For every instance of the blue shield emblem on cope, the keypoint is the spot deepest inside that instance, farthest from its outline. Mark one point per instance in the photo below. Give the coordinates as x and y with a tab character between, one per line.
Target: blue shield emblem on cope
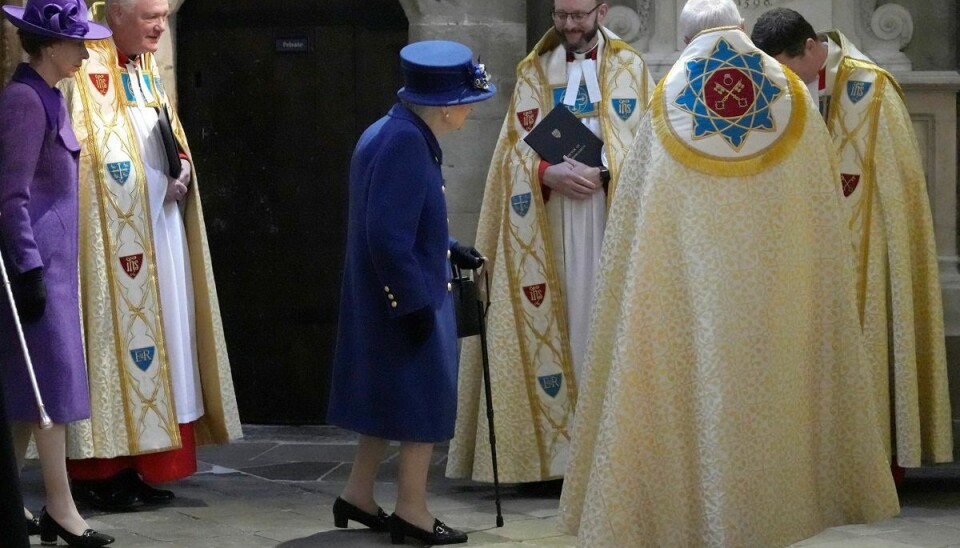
148	83
143	357
857	90
120	171
624	107
583	107
551	384
521	203
127	90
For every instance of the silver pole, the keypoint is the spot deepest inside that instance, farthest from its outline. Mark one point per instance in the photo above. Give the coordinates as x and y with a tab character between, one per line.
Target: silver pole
45	421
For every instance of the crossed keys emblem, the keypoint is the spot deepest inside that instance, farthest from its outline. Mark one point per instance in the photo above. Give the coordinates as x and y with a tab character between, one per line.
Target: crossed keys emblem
728	88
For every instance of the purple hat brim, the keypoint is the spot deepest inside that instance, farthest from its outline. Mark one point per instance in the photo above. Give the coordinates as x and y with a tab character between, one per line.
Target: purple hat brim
15	15
456	96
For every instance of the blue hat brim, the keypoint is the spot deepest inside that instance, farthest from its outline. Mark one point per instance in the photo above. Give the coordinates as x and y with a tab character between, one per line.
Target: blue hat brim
448	98
14	14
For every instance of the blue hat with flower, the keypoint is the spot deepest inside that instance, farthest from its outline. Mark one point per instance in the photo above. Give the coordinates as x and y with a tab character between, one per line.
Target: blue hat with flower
65	19
440	72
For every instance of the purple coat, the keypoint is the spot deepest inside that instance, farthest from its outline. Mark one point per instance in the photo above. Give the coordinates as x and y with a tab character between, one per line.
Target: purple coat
38	224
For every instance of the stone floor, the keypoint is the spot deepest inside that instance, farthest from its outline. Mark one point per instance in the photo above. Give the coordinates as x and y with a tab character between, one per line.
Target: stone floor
277	487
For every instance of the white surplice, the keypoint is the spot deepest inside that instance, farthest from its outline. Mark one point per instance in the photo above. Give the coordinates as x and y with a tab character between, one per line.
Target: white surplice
172	257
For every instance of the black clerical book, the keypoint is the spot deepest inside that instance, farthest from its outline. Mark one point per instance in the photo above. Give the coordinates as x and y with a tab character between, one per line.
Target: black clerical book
560	134
169	142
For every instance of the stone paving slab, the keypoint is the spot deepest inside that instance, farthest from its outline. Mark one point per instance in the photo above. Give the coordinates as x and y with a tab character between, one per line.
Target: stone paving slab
277	487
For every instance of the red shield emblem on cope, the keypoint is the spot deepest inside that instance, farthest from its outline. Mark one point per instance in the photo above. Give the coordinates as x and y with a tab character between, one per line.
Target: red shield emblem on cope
535	293
849	183
131	264
528	118
100	81
729	93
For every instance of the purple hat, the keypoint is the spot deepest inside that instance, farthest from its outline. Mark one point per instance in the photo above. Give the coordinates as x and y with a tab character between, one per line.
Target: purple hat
65	19
440	72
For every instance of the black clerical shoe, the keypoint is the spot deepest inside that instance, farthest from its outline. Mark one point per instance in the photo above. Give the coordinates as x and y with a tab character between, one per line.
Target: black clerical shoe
144	491
109	494
343	512
441	534
50	530
33	525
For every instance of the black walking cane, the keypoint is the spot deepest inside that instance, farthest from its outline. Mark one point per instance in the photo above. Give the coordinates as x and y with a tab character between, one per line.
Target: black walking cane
468	325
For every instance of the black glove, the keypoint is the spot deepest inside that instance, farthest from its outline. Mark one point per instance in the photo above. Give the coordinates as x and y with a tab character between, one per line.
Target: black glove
30	295
466	257
419	324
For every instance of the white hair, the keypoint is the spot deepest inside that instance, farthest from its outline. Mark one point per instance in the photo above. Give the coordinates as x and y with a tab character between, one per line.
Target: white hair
700	15
126	5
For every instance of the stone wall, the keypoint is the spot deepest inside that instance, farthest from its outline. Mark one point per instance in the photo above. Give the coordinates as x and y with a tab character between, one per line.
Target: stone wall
496	32
934	46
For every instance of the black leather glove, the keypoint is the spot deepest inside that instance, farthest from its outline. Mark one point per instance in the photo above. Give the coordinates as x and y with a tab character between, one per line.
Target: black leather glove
30	295
420	324
466	257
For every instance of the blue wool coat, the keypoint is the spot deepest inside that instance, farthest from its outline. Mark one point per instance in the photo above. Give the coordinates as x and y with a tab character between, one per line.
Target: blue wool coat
397	262
39	228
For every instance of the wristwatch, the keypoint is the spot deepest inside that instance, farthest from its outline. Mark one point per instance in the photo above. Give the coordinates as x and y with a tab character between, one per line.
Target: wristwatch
604	174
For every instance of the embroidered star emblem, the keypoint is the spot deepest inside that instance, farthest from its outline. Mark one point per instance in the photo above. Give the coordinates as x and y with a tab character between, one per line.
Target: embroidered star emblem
728	95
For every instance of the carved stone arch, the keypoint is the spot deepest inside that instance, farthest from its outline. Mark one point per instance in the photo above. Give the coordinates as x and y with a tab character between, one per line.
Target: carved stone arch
881	32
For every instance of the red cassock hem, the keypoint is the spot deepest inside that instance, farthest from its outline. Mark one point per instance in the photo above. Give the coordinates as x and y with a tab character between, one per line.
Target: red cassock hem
160	467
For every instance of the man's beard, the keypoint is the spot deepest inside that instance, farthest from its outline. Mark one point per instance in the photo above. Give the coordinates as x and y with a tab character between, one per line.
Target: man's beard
585	38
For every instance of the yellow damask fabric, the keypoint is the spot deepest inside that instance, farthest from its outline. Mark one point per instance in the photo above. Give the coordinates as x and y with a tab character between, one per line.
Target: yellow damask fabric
892	233
725	377
119	405
534	393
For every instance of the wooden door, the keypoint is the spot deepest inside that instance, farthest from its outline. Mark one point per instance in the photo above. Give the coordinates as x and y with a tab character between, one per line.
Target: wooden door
273	96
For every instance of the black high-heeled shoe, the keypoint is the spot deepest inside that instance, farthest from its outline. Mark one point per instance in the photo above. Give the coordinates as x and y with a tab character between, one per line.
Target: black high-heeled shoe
50	530
343	511
33	525
441	534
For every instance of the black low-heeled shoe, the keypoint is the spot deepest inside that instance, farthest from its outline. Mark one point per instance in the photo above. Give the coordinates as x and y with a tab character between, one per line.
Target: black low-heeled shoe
441	534
50	530
33	525
147	493
343	511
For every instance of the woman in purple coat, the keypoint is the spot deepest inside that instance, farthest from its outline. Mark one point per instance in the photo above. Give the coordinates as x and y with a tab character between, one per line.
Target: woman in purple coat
39	238
395	370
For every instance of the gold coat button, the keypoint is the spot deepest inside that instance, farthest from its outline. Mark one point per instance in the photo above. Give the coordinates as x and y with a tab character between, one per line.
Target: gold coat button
443	189
390	296
386	289
448	253
449	287
393	304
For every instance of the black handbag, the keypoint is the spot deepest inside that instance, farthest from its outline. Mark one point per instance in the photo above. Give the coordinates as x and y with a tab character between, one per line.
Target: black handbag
466	302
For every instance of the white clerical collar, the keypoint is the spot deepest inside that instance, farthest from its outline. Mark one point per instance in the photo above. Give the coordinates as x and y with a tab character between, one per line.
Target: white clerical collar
583	67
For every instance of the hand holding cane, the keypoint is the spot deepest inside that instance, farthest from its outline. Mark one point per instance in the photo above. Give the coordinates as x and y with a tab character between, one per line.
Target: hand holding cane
45	421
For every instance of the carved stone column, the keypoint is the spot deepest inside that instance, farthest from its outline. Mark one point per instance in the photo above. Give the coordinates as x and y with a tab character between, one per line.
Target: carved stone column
496	32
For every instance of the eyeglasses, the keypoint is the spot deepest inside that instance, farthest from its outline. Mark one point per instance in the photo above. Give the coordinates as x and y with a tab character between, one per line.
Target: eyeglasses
576	16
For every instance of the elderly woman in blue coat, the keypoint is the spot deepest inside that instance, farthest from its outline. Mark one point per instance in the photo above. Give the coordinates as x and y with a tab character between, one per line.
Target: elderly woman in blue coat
395	370
39	235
